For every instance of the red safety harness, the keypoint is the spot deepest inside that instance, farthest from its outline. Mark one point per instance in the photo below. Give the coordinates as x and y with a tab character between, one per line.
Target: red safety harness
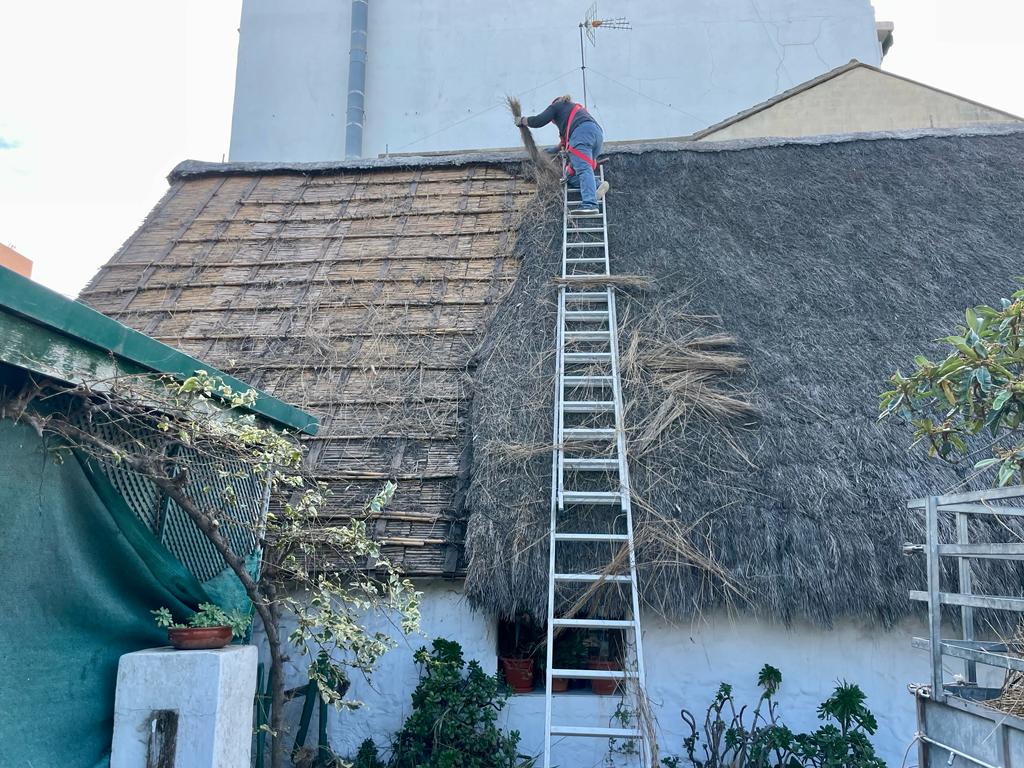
565	144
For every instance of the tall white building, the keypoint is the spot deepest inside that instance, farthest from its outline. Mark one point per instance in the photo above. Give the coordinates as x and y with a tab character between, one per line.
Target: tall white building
326	79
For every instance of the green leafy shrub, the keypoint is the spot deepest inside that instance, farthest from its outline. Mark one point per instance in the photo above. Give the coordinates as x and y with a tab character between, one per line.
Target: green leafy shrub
977	389
455	708
726	740
367	756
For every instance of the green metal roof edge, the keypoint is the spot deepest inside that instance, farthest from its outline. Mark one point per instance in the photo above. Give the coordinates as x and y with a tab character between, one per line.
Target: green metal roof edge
72	318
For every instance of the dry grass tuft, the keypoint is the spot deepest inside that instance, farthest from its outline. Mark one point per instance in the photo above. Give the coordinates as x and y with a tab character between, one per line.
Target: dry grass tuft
545	169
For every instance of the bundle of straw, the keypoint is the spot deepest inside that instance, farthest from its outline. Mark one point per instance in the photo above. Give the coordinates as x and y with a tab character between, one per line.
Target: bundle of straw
543	162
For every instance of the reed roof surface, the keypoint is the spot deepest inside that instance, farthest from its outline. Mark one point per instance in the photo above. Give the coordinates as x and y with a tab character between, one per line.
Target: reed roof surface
412	310
826	265
356	292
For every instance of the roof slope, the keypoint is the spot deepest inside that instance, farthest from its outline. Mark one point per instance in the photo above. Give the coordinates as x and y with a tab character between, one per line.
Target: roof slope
831	264
357	293
894	102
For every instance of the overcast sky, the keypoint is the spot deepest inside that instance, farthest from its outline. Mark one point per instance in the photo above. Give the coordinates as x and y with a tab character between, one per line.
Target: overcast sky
99	100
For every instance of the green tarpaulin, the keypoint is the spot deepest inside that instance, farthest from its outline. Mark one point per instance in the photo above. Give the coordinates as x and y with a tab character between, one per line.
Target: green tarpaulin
79	574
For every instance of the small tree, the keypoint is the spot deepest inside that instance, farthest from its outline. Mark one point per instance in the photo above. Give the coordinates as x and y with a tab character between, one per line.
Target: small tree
978	389
313	570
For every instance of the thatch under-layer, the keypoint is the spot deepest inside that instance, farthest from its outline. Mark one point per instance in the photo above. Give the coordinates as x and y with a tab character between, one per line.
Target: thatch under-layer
813	270
358	290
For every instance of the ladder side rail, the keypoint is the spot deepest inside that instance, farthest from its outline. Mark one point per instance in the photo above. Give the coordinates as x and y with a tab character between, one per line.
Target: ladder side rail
604	225
565	228
627	506
556	483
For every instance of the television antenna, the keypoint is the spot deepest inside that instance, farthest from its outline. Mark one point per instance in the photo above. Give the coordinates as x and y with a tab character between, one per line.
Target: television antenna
589	26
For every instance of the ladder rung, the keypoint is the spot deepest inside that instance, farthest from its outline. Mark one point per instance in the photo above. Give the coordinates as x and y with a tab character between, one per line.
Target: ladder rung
587	335
586	315
591	674
588	406
583	279
586	229
594	623
591	497
585	245
586	381
587	433
588	260
596	732
587	357
586	296
591	577
590	465
591	537
574	215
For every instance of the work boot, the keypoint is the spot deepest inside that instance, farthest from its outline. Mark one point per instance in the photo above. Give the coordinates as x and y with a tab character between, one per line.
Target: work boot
602	190
586	210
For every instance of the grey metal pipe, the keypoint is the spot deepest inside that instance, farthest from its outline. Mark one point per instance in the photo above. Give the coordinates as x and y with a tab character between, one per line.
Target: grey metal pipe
355	114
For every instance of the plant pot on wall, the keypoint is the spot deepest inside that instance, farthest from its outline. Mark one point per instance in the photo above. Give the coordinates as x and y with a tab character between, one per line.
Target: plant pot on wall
559	684
518	674
199	638
603	687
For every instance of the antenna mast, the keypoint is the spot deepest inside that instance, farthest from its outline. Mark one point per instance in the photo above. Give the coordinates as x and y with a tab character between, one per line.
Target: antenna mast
589	26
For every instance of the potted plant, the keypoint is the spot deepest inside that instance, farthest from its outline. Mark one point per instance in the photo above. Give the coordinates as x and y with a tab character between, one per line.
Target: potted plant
569	653
517	665
208	628
604	660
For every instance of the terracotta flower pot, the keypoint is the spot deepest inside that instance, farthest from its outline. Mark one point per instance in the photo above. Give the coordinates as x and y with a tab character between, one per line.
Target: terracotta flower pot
559	684
518	674
199	638
603	687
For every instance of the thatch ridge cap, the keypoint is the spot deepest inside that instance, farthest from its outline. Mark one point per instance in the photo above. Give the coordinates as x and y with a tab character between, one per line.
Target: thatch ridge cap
198	168
732	145
194	168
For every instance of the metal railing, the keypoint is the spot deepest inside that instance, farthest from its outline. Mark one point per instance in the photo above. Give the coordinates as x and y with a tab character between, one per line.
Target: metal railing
951	722
991	504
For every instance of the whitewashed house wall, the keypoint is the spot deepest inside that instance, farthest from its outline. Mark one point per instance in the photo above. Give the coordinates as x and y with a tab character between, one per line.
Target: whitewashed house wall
685	665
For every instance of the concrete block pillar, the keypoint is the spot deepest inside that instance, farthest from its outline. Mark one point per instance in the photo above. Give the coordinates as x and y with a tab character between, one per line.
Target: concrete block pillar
185	709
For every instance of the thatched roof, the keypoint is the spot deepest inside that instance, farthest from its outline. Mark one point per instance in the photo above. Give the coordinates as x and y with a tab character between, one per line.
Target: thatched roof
830	263
355	290
364	291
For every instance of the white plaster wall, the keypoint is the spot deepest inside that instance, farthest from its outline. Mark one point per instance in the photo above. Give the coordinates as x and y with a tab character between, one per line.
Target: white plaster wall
438	72
861	100
387	694
685	664
291	81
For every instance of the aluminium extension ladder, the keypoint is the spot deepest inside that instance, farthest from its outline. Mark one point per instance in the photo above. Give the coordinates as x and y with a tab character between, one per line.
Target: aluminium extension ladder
590	450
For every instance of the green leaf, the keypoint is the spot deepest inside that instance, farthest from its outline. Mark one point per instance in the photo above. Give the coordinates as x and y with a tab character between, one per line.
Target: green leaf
1001	398
984	379
972	320
986	463
1006	472
962	346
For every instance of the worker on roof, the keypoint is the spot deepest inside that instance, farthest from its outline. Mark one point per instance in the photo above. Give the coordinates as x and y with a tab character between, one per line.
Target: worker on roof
581	137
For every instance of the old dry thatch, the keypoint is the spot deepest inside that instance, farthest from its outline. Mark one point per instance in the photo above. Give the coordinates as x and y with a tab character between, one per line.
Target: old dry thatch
815	269
355	290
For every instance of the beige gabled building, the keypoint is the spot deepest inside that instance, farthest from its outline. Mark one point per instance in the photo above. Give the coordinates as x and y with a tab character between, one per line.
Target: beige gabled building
854	98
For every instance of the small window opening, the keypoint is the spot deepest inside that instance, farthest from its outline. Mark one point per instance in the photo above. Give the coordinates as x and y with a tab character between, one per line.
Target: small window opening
522	655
